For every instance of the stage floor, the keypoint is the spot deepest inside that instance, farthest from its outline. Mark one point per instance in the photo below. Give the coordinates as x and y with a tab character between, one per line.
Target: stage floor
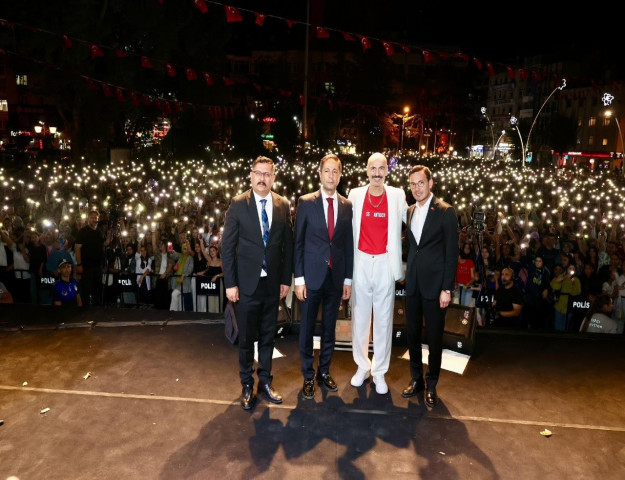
132	393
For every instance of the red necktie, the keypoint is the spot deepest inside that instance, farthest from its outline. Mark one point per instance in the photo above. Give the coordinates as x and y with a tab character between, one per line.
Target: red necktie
330	223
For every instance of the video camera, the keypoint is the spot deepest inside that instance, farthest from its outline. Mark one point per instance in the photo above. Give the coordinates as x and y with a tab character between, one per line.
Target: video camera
479	219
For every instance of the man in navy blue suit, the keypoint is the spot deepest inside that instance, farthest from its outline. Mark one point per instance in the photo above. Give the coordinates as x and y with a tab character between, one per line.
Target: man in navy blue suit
323	260
257	256
432	234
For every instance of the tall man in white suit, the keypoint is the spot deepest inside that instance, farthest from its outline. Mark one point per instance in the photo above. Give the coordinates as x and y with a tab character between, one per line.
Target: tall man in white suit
379	211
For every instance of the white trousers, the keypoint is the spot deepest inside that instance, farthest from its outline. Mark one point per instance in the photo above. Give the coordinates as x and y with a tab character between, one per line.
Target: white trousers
373	291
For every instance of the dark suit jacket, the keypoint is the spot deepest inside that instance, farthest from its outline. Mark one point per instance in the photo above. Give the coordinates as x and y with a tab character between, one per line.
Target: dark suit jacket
431	265
313	246
242	247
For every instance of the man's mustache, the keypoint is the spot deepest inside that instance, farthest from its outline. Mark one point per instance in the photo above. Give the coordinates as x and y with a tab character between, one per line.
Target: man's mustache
261	183
377	176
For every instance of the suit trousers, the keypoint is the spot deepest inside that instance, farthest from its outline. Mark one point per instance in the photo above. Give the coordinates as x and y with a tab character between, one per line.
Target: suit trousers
373	290
416	308
329	297
257	319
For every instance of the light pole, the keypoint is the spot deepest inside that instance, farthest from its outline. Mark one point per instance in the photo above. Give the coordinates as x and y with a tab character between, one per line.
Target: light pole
403	127
492	134
560	87
607	100
514	123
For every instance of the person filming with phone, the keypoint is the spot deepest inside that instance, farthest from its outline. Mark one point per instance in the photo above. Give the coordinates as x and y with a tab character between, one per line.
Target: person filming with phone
566	286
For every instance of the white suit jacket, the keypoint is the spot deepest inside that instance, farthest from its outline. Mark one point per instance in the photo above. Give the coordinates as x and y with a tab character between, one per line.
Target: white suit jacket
397	208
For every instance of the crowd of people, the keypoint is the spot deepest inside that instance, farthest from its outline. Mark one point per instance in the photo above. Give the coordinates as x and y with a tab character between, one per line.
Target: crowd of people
543	224
530	249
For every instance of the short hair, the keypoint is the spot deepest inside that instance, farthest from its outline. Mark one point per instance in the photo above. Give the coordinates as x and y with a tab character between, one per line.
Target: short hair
421	168
266	160
330	156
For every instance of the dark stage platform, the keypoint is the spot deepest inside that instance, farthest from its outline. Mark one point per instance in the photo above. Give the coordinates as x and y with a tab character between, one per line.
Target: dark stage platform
146	394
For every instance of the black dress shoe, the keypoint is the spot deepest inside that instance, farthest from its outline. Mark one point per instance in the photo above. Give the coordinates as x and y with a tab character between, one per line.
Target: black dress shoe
247	397
414	387
269	393
430	397
326	380
308	391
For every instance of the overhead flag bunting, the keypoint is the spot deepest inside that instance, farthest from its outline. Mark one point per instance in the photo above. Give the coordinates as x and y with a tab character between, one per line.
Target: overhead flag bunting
233	14
146	62
201	5
260	18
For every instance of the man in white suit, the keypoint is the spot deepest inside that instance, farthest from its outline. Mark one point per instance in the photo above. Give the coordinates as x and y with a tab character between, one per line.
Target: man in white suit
379	211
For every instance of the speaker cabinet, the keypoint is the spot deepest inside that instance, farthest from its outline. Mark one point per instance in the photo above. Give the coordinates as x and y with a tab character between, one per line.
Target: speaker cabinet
459	333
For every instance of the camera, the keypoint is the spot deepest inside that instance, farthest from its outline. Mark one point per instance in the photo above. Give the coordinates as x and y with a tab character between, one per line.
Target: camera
479	219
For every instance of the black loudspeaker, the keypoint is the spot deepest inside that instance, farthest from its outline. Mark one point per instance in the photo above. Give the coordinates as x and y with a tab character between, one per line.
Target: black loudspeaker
459	333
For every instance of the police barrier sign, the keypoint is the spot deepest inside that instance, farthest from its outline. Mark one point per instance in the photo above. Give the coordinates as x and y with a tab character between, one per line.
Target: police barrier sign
205	286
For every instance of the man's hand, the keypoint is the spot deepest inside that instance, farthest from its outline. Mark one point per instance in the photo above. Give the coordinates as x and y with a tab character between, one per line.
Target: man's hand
347	292
300	292
444	299
284	290
232	294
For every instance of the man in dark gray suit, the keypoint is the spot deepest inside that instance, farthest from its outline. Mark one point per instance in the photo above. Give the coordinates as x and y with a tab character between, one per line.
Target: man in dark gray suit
257	256
430	276
324	260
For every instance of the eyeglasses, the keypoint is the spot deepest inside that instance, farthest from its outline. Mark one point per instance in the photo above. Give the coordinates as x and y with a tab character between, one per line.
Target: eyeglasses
258	173
419	184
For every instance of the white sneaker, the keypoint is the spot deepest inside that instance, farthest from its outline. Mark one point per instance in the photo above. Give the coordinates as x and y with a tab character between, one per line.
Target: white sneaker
359	377
380	385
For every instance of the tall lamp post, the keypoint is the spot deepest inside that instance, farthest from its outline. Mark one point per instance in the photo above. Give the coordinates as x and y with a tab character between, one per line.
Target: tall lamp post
559	87
403	127
514	123
492	133
607	100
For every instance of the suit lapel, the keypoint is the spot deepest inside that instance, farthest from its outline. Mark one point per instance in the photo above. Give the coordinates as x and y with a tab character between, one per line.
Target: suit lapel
431	212
253	211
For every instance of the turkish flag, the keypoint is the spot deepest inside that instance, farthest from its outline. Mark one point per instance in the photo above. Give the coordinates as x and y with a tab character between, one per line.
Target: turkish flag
388	48
120	94
190	73
227	81
146	62
67	42
511	72
322	33
536	76
524	73
366	43
95	51
427	56
478	63
208	78
260	18
119	53
170	69
290	23
107	90
147	101
348	37
405	48
134	98
490	69
233	14
91	84
201	5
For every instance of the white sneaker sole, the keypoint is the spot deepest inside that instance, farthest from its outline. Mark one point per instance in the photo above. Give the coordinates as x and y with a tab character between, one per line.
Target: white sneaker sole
357	380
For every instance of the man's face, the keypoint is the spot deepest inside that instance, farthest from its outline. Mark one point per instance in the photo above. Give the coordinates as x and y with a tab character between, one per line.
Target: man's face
377	170
92	219
330	175
262	178
506	277
420	186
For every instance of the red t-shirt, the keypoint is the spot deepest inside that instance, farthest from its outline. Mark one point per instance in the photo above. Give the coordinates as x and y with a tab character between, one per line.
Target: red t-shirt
374	225
463	272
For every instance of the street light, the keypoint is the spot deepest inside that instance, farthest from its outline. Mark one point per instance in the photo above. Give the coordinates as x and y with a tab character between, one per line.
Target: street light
607	100
492	134
403	127
559	87
514	123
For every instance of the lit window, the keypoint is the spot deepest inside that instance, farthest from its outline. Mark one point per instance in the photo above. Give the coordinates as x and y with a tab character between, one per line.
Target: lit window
21	79
604	142
591	140
592	121
4	106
